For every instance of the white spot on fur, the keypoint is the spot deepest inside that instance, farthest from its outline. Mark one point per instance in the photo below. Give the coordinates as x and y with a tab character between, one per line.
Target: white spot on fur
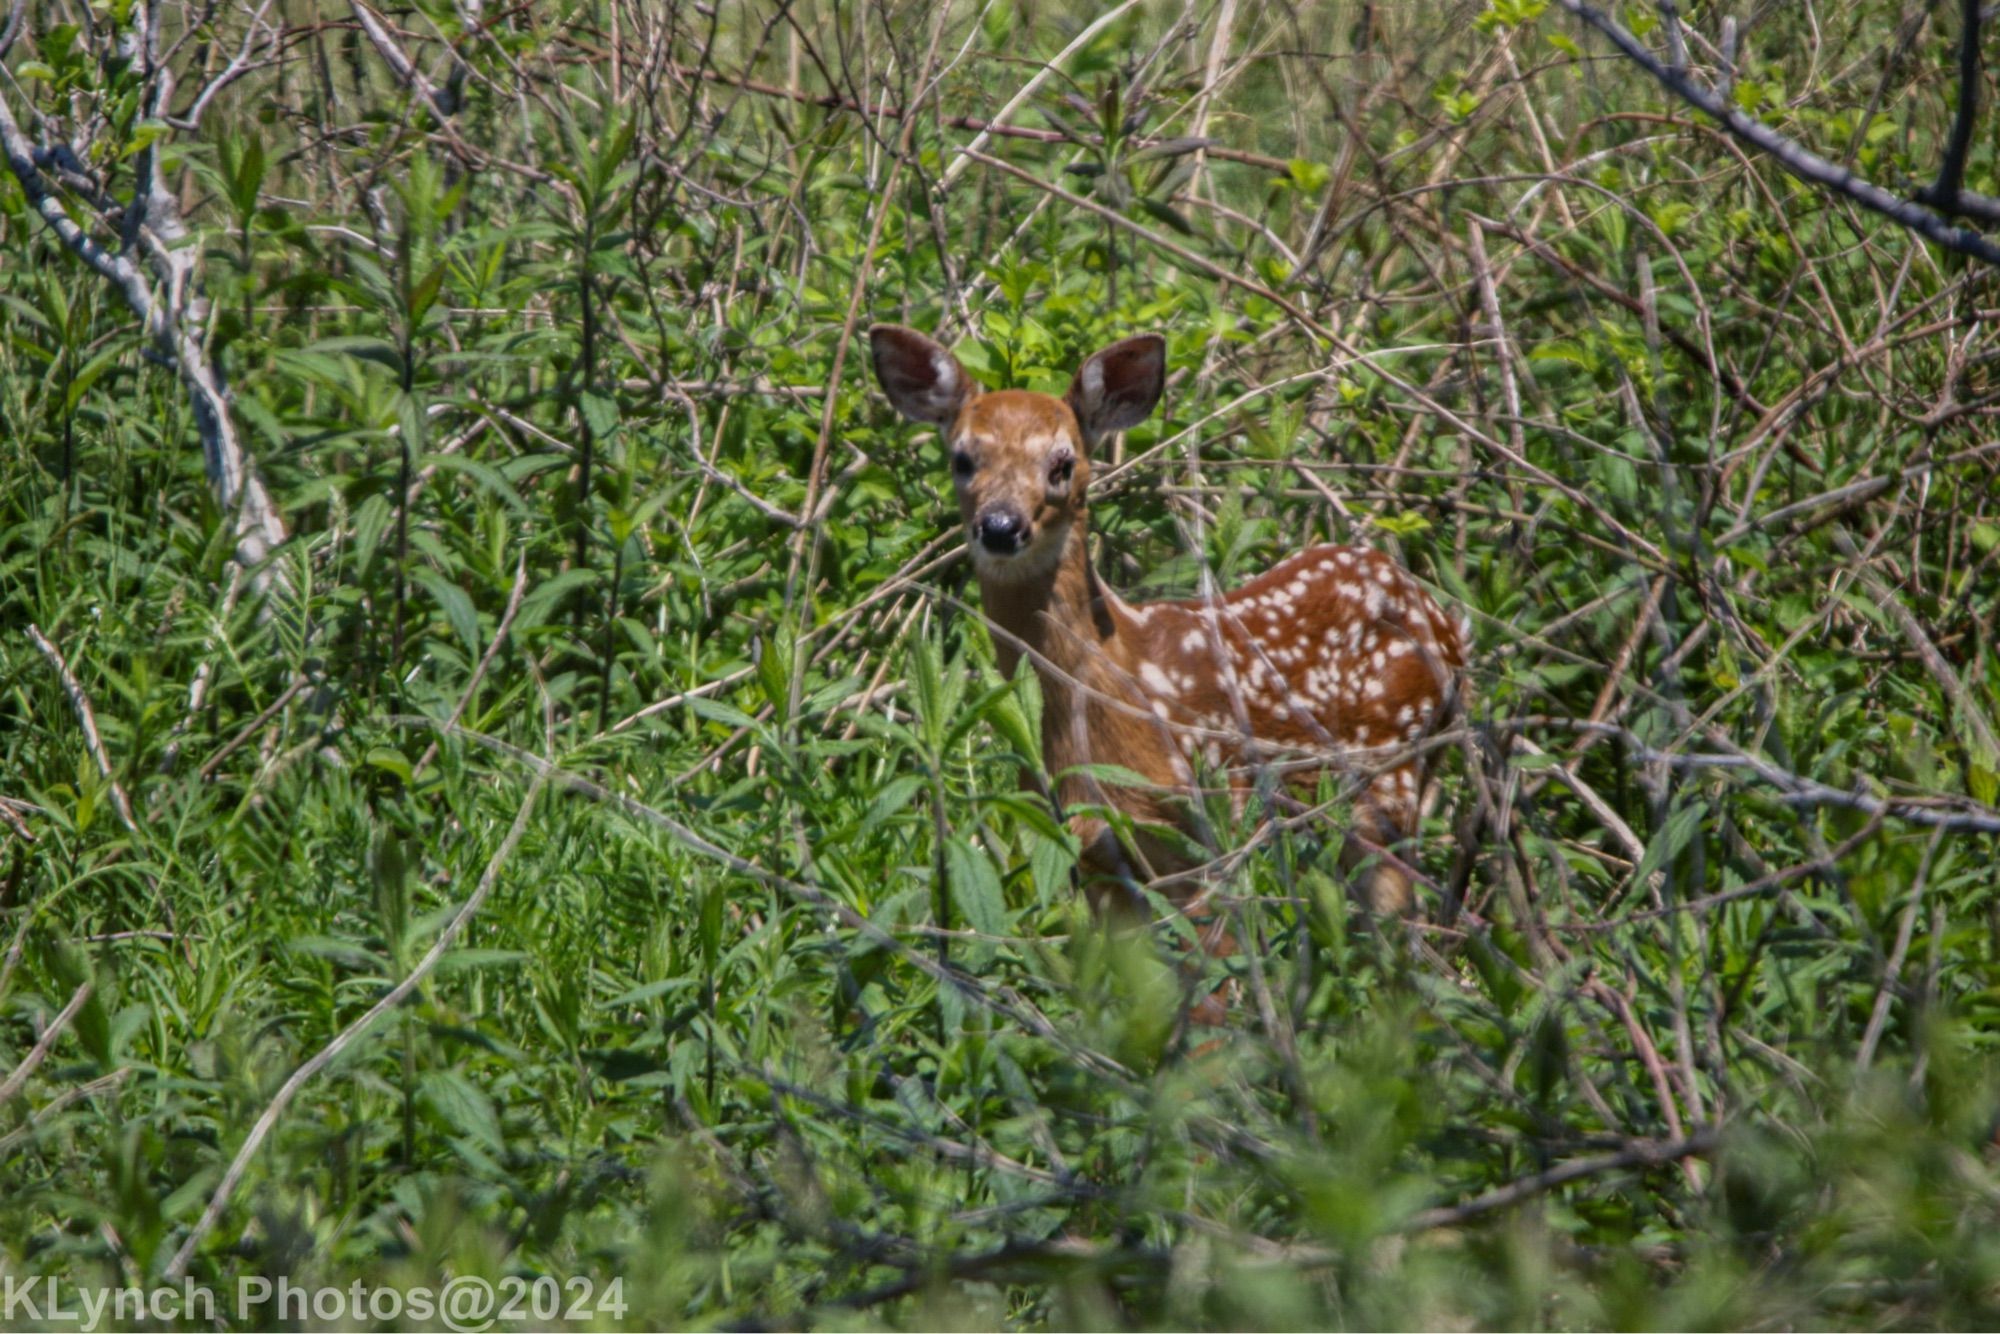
1156	680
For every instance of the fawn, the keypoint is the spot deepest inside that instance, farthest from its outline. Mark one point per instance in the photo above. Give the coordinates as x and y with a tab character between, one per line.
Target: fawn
1330	654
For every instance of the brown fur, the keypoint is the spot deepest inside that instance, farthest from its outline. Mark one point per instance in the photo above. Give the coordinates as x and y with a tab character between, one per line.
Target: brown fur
1329	657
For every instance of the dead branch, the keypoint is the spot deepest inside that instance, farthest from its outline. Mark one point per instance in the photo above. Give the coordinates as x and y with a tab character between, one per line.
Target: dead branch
1794	157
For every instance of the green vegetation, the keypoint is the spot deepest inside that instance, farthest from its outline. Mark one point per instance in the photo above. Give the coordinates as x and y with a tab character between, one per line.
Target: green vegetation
606	599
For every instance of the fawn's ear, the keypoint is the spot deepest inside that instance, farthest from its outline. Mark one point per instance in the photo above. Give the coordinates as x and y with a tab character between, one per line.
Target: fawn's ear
1119	385
922	379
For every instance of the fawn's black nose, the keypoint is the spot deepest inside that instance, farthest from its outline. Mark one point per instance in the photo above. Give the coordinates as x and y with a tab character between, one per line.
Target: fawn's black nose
1002	532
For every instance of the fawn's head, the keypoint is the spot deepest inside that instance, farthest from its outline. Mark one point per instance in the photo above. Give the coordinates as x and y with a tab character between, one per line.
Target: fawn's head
1020	461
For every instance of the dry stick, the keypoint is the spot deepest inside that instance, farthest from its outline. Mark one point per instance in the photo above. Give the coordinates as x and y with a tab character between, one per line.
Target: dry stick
1649	1056
16	1080
175	330
203	674
1503	349
1792	789
1795	158
1601	707
285	697
404	68
1598	806
91	740
674	701
348	1036
62	1100
14	820
1639	1153
1211	79
1894	967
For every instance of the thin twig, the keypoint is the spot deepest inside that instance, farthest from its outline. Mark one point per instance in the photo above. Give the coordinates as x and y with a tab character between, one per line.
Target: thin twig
16	1080
88	721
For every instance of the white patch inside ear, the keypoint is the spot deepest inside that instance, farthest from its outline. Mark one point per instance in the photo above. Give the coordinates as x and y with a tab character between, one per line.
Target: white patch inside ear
1093	383
939	398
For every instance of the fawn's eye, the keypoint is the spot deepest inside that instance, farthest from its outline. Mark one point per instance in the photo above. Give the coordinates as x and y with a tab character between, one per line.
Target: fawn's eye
1060	467
961	463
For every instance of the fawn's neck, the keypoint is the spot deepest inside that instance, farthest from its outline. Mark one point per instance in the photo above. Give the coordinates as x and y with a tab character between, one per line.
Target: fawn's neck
1069	625
1061	618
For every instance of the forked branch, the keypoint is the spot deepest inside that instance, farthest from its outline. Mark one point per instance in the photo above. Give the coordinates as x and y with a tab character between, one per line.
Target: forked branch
1948	194
1794	157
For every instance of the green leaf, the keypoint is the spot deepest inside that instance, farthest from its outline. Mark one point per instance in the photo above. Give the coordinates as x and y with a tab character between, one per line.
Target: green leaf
1673	838
975	888
599	413
1308	176
718	712
455	604
463	1106
894	796
1168	214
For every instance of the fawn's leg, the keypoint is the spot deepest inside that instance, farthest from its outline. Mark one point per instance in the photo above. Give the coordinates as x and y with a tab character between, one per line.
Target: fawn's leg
1386	816
1116	893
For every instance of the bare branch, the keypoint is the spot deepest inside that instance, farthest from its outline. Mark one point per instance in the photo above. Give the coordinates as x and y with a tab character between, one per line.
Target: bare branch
1795	158
1638	1153
1948	194
19	1077
12	33
174	319
405	69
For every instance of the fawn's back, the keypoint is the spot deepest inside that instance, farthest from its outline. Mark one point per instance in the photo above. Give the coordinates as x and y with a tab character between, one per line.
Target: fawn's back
1336	649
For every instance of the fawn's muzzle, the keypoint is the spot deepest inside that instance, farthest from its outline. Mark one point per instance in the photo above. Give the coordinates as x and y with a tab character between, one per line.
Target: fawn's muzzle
1002	531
